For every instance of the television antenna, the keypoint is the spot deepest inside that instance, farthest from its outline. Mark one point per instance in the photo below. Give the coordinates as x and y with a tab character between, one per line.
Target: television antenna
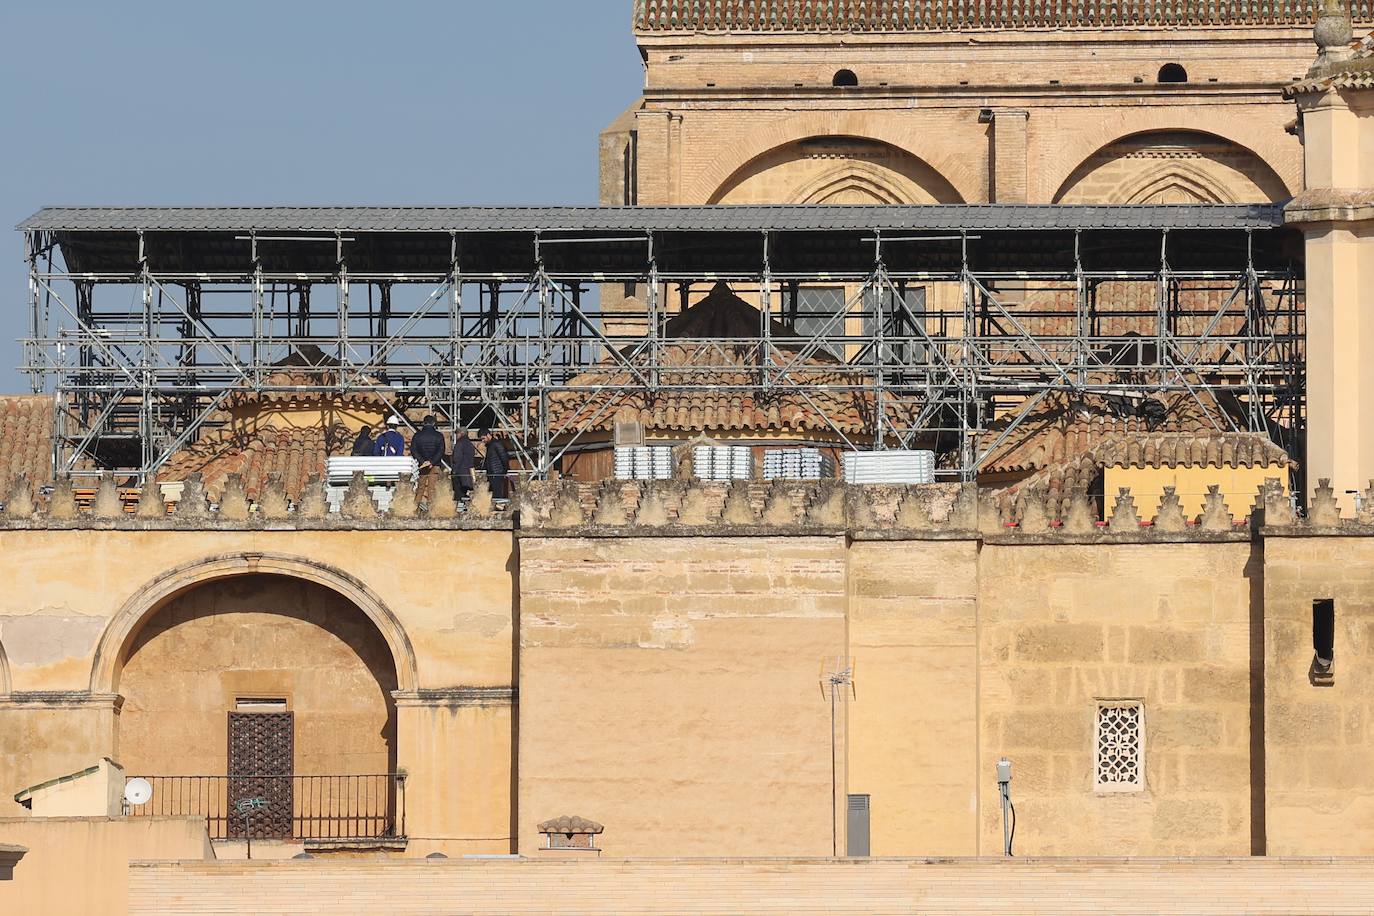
245	807
836	678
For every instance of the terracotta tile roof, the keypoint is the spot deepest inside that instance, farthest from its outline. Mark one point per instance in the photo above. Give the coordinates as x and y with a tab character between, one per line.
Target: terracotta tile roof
296	454
1062	428
729	399
1060	480
236	441
1065	447
942	15
26	430
1355	73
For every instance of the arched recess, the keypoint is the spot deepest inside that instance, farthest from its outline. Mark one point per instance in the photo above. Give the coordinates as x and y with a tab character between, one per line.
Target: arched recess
119	635
6	686
838	170
1172	166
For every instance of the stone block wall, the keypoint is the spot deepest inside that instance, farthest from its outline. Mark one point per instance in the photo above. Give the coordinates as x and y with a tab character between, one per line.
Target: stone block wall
1319	734
1170	626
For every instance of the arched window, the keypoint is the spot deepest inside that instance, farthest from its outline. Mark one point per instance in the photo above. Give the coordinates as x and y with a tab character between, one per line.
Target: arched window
1173	73
845	78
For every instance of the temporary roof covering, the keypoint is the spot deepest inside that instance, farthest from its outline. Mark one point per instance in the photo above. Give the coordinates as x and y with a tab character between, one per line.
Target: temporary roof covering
709	239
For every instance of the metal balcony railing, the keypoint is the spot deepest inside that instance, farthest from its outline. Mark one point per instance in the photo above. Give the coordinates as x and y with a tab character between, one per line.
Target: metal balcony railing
284	807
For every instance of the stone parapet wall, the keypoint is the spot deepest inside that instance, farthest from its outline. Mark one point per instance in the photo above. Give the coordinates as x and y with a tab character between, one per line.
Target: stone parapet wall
867	512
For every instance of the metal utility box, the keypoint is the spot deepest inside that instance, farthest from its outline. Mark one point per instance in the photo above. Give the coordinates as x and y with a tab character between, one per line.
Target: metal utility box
856	832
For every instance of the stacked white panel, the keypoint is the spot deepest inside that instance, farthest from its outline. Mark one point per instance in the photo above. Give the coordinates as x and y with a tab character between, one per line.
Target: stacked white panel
797	464
723	462
643	462
382	496
896	467
377	470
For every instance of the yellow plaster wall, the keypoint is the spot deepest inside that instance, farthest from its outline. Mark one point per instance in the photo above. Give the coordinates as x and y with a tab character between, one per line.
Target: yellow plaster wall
913	633
80	866
1239	486
1319	739
670	689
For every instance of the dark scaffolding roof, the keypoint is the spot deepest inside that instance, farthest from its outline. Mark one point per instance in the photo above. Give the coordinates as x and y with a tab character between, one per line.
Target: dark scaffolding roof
631	219
720	239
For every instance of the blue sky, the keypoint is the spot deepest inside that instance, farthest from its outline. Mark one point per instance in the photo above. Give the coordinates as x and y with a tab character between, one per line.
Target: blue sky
300	102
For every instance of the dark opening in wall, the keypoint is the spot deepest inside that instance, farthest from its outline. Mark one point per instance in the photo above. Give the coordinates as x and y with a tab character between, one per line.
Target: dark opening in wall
1173	73
1323	638
845	78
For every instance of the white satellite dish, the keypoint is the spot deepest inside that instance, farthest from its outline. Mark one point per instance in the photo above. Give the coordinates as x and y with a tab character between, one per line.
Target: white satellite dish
137	791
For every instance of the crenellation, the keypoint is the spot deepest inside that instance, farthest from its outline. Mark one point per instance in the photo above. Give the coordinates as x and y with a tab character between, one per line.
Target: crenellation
194	502
1169	517
1124	516
1325	511
739	507
313	502
272	502
62	502
150	502
1081	519
442	505
405	502
19	502
233	501
358	502
107	503
1216	515
679	508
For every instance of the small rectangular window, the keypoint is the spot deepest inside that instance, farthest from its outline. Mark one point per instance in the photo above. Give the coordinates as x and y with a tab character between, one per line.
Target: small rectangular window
1323	638
1119	747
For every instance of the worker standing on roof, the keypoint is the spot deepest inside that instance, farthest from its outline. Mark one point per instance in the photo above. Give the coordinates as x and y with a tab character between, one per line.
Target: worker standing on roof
496	462
427	448
390	444
462	462
363	445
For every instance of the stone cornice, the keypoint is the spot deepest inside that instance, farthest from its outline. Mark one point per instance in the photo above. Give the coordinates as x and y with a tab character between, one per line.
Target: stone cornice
61	699
455	697
1330	205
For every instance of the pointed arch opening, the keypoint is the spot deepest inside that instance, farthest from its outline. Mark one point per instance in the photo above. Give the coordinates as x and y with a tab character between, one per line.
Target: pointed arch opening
837	169
1172	166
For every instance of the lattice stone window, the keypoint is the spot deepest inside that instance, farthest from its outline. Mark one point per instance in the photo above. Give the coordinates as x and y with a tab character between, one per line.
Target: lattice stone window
1119	747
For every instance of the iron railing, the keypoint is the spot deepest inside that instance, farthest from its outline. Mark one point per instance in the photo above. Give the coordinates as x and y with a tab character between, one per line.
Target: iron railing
296	807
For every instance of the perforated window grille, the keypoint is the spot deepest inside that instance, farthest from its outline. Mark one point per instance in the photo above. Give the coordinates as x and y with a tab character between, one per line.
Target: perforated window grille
1119	749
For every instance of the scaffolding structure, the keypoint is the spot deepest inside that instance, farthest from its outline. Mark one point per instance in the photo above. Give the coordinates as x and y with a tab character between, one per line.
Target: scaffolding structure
953	324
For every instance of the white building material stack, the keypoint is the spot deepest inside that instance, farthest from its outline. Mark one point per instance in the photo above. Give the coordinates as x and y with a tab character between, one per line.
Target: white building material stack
895	467
643	462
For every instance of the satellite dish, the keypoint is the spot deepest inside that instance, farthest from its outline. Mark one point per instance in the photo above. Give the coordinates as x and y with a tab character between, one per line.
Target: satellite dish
137	791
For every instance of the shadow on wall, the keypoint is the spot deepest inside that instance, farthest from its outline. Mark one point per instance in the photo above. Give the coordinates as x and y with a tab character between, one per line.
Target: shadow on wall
258	641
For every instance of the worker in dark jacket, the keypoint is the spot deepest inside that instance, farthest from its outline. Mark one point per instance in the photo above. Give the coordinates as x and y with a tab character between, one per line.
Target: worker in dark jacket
496	462
462	462
427	448
390	444
362	446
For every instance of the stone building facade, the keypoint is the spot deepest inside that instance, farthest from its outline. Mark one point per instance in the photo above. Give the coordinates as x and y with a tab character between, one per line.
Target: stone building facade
717	670
884	102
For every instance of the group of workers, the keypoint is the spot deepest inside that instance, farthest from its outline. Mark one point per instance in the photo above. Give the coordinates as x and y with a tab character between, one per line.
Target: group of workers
430	451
